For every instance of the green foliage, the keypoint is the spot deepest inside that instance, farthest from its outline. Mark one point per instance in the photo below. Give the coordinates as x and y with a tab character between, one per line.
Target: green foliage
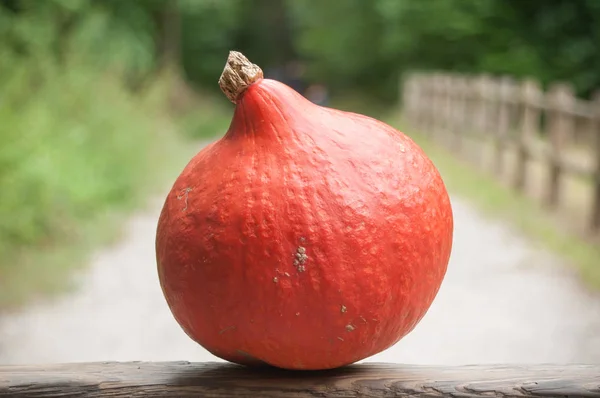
207	36
211	118
66	154
365	44
351	45
76	144
343	42
67	159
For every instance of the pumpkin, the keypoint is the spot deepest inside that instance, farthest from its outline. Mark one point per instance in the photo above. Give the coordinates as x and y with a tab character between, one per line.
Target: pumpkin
306	237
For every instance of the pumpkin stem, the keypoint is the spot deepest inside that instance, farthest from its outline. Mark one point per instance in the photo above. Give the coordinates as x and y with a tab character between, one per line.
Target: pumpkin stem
239	73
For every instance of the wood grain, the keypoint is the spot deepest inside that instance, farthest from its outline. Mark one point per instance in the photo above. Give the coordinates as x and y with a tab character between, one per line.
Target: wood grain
184	379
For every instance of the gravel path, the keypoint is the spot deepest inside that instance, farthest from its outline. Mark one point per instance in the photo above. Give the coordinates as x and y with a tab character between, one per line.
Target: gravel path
502	301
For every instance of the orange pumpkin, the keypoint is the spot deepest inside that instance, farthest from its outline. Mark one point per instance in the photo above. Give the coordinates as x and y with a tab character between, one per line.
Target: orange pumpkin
304	238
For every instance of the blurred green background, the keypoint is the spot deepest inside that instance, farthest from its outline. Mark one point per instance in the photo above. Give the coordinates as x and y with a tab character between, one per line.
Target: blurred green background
102	101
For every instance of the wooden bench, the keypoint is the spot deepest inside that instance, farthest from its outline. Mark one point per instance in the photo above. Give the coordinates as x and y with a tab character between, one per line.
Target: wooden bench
184	379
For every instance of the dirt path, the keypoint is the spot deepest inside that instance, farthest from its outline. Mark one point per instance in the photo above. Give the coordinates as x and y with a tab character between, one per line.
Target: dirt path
502	301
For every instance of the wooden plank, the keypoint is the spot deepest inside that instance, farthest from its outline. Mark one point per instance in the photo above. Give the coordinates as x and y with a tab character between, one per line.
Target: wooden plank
184	379
581	108
570	164
575	166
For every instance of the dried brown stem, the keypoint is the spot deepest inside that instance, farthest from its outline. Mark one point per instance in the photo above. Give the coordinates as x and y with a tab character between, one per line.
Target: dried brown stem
238	74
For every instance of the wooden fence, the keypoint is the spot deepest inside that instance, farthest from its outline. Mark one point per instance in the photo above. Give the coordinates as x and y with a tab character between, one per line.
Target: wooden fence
553	128
183	379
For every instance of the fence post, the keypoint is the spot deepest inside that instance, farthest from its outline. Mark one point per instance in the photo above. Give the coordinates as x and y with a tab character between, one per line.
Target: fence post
409	95
530	94
596	200
438	110
404	91
428	105
483	97
484	83
471	88
504	94
447	114
417	101
561	101
459	110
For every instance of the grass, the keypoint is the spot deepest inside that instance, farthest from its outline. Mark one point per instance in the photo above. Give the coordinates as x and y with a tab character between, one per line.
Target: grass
74	165
496	199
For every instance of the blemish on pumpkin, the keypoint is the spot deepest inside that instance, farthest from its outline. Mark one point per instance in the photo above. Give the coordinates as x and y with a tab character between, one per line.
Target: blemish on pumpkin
363	319
286	274
350	328
302	239
228	328
184	195
300	258
340	339
297	314
275	279
343	309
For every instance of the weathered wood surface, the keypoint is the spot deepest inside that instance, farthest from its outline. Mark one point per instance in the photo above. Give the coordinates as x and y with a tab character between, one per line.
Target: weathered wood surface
184	379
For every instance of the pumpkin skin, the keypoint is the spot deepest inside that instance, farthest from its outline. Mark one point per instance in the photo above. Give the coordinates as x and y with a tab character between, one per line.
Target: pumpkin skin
304	238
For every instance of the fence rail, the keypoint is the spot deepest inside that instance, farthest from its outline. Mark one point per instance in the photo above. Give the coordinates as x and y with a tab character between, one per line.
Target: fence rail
552	127
184	379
